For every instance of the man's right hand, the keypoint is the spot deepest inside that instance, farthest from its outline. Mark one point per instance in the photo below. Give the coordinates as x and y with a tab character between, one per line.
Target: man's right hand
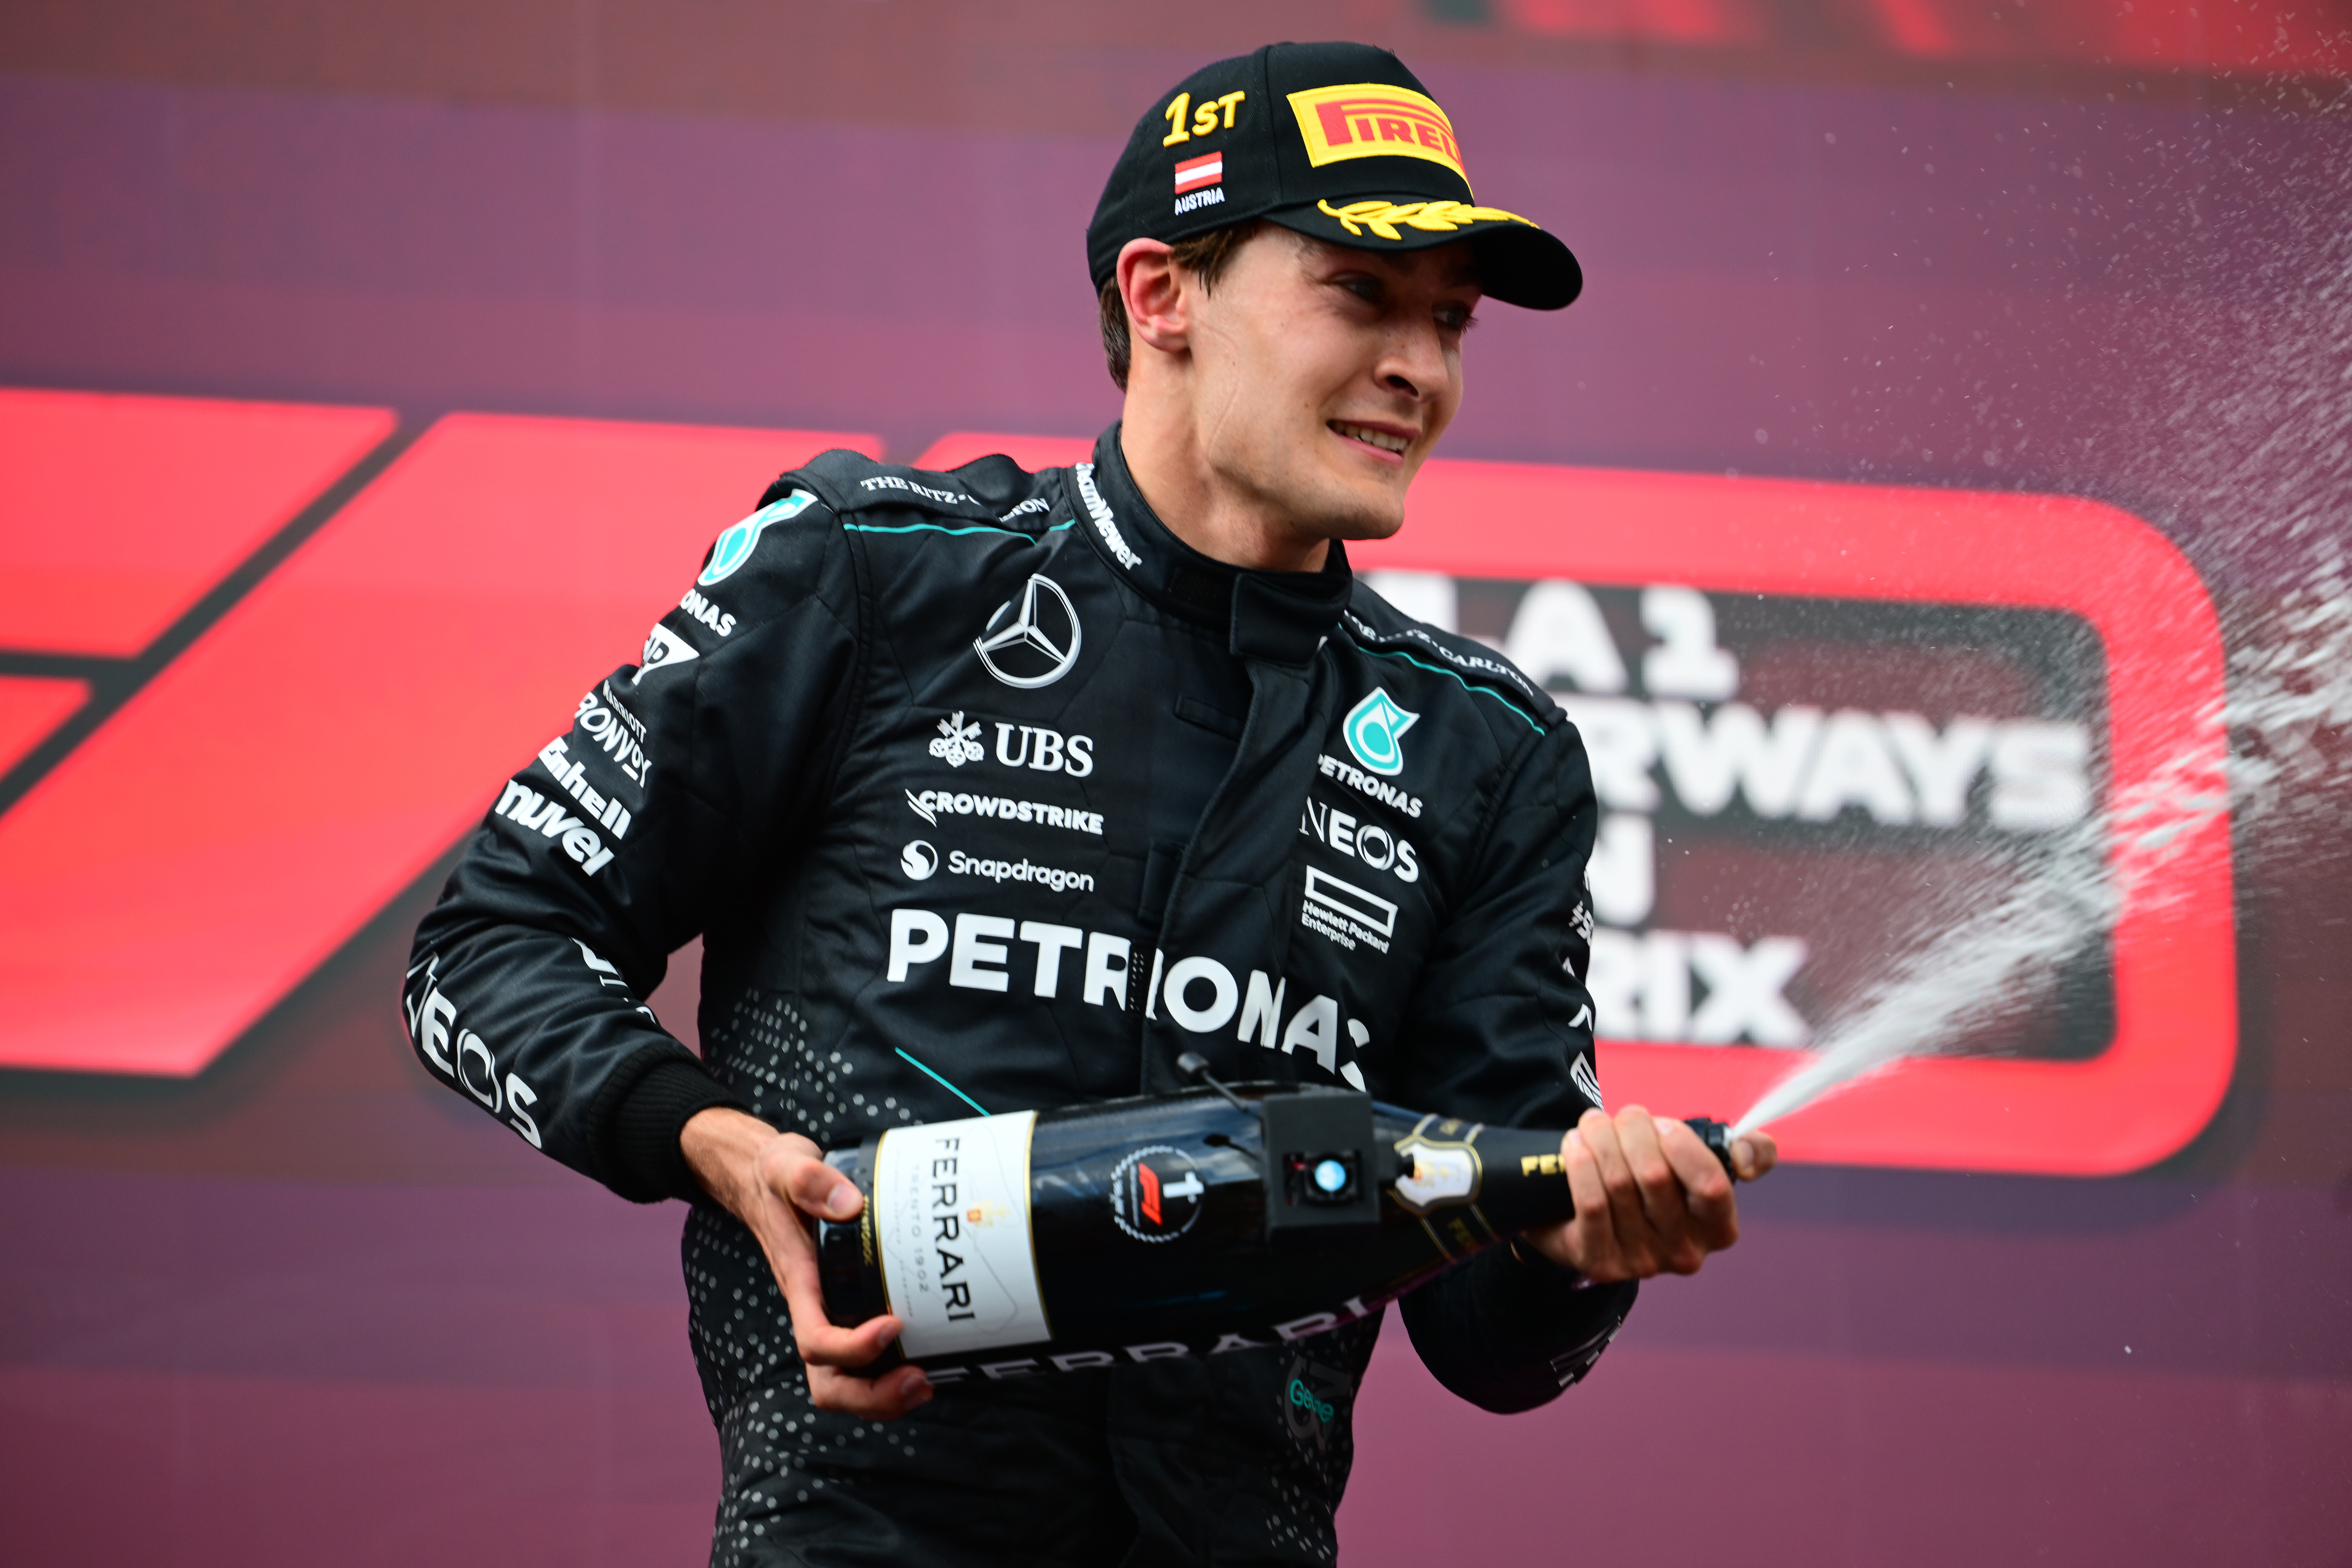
771	1181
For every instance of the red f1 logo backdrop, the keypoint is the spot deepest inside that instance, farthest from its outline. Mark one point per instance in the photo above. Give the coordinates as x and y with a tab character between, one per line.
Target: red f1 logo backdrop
264	664
260	666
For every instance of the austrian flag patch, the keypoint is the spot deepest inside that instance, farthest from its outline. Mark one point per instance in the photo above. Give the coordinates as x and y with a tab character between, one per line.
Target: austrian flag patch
1192	174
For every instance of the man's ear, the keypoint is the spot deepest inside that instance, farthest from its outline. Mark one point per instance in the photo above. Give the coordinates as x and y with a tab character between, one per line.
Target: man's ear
1158	296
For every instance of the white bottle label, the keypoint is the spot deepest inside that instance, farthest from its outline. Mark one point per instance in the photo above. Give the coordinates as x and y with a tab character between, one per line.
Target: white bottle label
951	1212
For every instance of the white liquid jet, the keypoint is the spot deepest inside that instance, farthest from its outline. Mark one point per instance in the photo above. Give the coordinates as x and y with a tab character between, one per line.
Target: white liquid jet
2252	441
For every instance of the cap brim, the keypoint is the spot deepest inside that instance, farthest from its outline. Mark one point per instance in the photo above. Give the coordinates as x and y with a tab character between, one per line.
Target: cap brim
1518	263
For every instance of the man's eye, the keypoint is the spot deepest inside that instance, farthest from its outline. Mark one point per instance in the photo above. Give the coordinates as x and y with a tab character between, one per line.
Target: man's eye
1456	320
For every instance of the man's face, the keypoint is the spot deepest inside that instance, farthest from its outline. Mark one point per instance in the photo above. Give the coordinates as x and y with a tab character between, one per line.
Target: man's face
1323	375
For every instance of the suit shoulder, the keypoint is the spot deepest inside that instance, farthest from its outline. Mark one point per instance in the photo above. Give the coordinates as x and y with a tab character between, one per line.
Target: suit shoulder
1380	629
991	492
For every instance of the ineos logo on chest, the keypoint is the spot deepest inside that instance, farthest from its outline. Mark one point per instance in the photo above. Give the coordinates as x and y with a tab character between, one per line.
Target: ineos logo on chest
1039	644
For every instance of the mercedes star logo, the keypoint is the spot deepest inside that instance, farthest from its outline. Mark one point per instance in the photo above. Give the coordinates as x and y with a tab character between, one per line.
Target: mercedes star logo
1037	646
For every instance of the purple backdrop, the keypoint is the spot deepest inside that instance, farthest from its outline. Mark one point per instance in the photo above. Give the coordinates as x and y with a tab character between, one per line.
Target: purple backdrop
312	1307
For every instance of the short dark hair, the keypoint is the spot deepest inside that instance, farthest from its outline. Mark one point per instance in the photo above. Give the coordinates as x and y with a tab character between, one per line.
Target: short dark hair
1204	255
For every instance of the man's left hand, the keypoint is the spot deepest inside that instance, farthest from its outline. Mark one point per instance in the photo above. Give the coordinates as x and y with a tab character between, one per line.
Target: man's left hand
1651	1196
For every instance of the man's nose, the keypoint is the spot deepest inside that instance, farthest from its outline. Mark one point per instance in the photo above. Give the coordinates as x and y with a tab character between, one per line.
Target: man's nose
1412	363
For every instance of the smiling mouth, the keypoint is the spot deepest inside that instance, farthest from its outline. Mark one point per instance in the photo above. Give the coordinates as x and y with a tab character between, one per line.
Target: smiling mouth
1370	437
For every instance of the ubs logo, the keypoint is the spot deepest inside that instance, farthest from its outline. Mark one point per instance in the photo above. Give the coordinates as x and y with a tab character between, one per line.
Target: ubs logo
1037	645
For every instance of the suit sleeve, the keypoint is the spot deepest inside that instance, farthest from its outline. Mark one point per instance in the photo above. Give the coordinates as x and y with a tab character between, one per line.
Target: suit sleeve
1500	1030
680	782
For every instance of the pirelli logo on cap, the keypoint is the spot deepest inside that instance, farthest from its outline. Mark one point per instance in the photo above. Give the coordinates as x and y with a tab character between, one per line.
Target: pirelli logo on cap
1372	120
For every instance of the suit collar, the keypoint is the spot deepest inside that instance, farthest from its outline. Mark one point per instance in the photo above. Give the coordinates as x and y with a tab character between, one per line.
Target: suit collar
1280	616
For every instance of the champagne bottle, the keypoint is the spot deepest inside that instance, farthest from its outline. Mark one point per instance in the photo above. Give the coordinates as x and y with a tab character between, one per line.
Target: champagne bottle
1196	1224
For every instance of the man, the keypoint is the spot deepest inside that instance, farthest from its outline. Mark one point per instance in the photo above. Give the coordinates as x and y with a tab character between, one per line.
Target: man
989	790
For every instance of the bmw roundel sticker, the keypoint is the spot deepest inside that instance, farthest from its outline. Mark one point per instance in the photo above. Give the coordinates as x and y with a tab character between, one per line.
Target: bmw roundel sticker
734	547
1374	728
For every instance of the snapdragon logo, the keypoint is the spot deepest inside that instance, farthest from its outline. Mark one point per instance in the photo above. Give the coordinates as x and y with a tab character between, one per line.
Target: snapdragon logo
734	547
1021	870
1373	730
918	860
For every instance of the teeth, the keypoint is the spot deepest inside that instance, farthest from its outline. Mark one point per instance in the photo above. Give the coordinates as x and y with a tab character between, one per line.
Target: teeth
1385	442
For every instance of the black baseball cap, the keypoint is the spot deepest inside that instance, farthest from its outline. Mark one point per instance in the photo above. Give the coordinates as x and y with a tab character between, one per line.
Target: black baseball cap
1337	140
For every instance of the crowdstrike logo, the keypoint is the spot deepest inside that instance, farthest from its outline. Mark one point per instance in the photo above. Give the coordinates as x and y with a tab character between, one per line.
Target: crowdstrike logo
1037	645
934	803
1374	730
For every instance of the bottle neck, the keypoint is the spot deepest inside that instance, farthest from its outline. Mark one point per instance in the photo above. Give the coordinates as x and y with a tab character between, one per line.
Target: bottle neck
1510	1178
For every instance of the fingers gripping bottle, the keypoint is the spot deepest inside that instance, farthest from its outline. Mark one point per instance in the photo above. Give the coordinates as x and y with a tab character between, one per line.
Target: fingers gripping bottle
1191	1224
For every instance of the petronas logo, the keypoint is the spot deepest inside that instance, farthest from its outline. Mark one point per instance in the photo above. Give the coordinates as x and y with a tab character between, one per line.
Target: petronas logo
1374	730
734	547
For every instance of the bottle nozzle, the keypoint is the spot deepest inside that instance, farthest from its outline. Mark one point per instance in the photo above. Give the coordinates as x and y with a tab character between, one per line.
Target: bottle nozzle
1717	1136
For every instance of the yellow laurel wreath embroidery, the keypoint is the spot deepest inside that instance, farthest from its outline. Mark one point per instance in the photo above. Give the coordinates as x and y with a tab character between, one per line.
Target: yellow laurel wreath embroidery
1442	217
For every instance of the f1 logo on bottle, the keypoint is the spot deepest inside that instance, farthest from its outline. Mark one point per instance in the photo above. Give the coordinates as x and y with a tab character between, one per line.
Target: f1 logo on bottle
1155	1194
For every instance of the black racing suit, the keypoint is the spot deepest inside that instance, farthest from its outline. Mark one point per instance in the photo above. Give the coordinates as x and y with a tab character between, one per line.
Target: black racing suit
984	790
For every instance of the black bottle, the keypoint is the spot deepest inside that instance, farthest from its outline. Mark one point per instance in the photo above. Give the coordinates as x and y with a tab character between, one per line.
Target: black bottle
1196	1224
